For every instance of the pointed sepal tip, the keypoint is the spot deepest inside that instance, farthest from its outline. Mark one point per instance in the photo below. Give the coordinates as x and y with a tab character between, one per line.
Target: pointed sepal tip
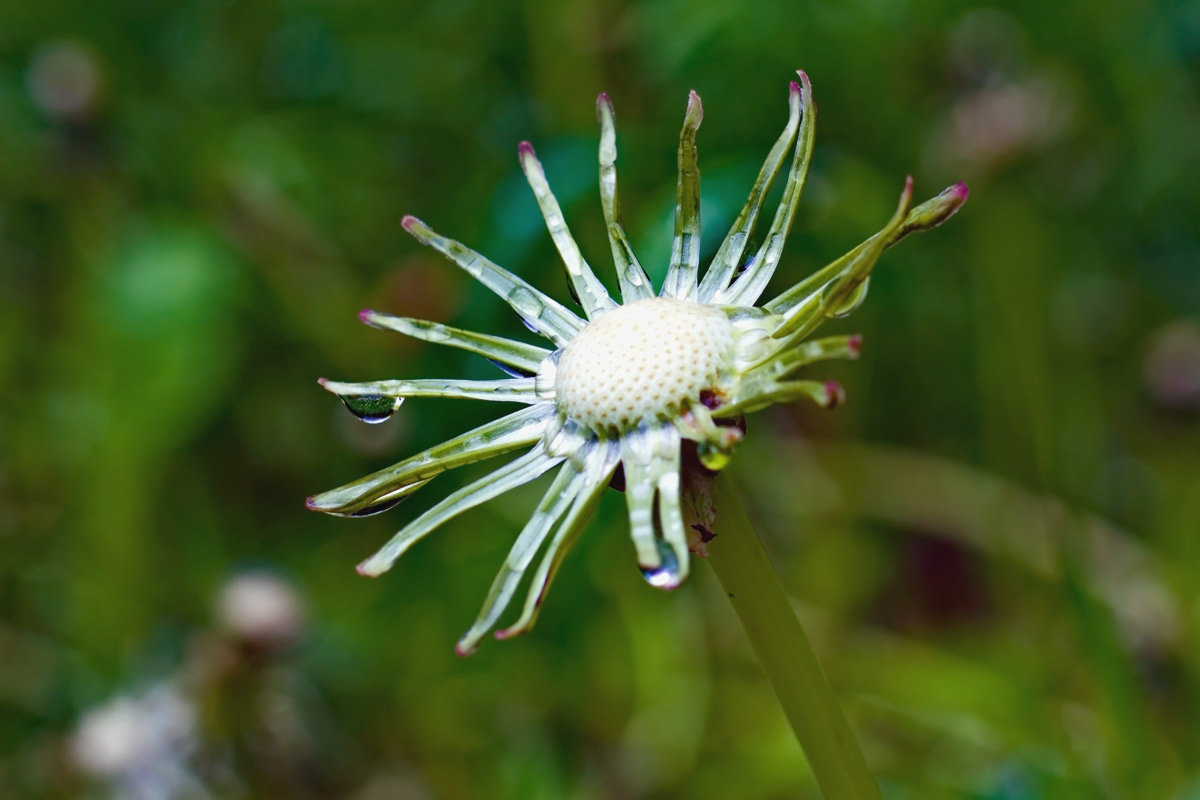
367	571
835	394
854	345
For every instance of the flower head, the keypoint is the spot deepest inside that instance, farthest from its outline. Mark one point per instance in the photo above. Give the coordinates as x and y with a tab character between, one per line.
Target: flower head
626	384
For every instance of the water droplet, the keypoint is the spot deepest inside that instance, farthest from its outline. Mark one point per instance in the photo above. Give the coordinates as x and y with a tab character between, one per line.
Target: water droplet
745	265
515	372
749	254
666	574
853	301
372	408
378	507
712	458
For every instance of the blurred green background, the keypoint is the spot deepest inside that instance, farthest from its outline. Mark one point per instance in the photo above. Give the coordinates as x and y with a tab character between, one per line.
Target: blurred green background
995	543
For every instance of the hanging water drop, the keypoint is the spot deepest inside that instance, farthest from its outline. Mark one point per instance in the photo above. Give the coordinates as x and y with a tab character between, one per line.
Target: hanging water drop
751	253
852	301
372	408
377	507
666	574
387	501
711	457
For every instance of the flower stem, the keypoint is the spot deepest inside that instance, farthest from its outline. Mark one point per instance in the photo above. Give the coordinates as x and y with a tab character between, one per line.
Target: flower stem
783	650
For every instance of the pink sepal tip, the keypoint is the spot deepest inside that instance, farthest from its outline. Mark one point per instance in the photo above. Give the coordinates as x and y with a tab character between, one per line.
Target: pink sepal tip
835	394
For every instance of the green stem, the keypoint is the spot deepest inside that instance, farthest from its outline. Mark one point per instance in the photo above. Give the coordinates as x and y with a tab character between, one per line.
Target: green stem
783	650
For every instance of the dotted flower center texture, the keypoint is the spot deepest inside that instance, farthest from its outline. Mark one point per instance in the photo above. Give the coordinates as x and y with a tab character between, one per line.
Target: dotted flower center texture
645	360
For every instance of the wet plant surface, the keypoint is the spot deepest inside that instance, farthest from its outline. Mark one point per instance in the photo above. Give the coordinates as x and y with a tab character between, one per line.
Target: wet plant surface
992	542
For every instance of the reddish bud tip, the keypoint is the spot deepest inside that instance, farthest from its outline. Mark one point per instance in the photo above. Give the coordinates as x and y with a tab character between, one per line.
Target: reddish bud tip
322	381
525	149
835	394
463	652
854	344
365	315
695	110
804	81
361	569
409	222
960	190
310	504
905	194
793	88
604	107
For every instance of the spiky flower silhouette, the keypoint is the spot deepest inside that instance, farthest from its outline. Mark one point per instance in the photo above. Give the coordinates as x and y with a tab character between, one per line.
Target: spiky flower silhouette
627	383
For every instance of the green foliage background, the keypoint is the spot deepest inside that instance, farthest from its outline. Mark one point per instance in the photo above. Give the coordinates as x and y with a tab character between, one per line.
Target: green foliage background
996	542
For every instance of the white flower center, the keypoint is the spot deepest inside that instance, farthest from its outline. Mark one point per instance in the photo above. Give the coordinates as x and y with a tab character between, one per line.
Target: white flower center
643	360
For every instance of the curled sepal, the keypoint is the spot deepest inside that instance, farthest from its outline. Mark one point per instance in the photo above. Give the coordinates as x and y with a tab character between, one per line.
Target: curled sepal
681	280
540	311
843	283
927	215
526	358
933	212
788	360
745	290
635	285
513	474
588	288
507	433
651	459
729	255
601	462
383	503
554	504
755	395
850	288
